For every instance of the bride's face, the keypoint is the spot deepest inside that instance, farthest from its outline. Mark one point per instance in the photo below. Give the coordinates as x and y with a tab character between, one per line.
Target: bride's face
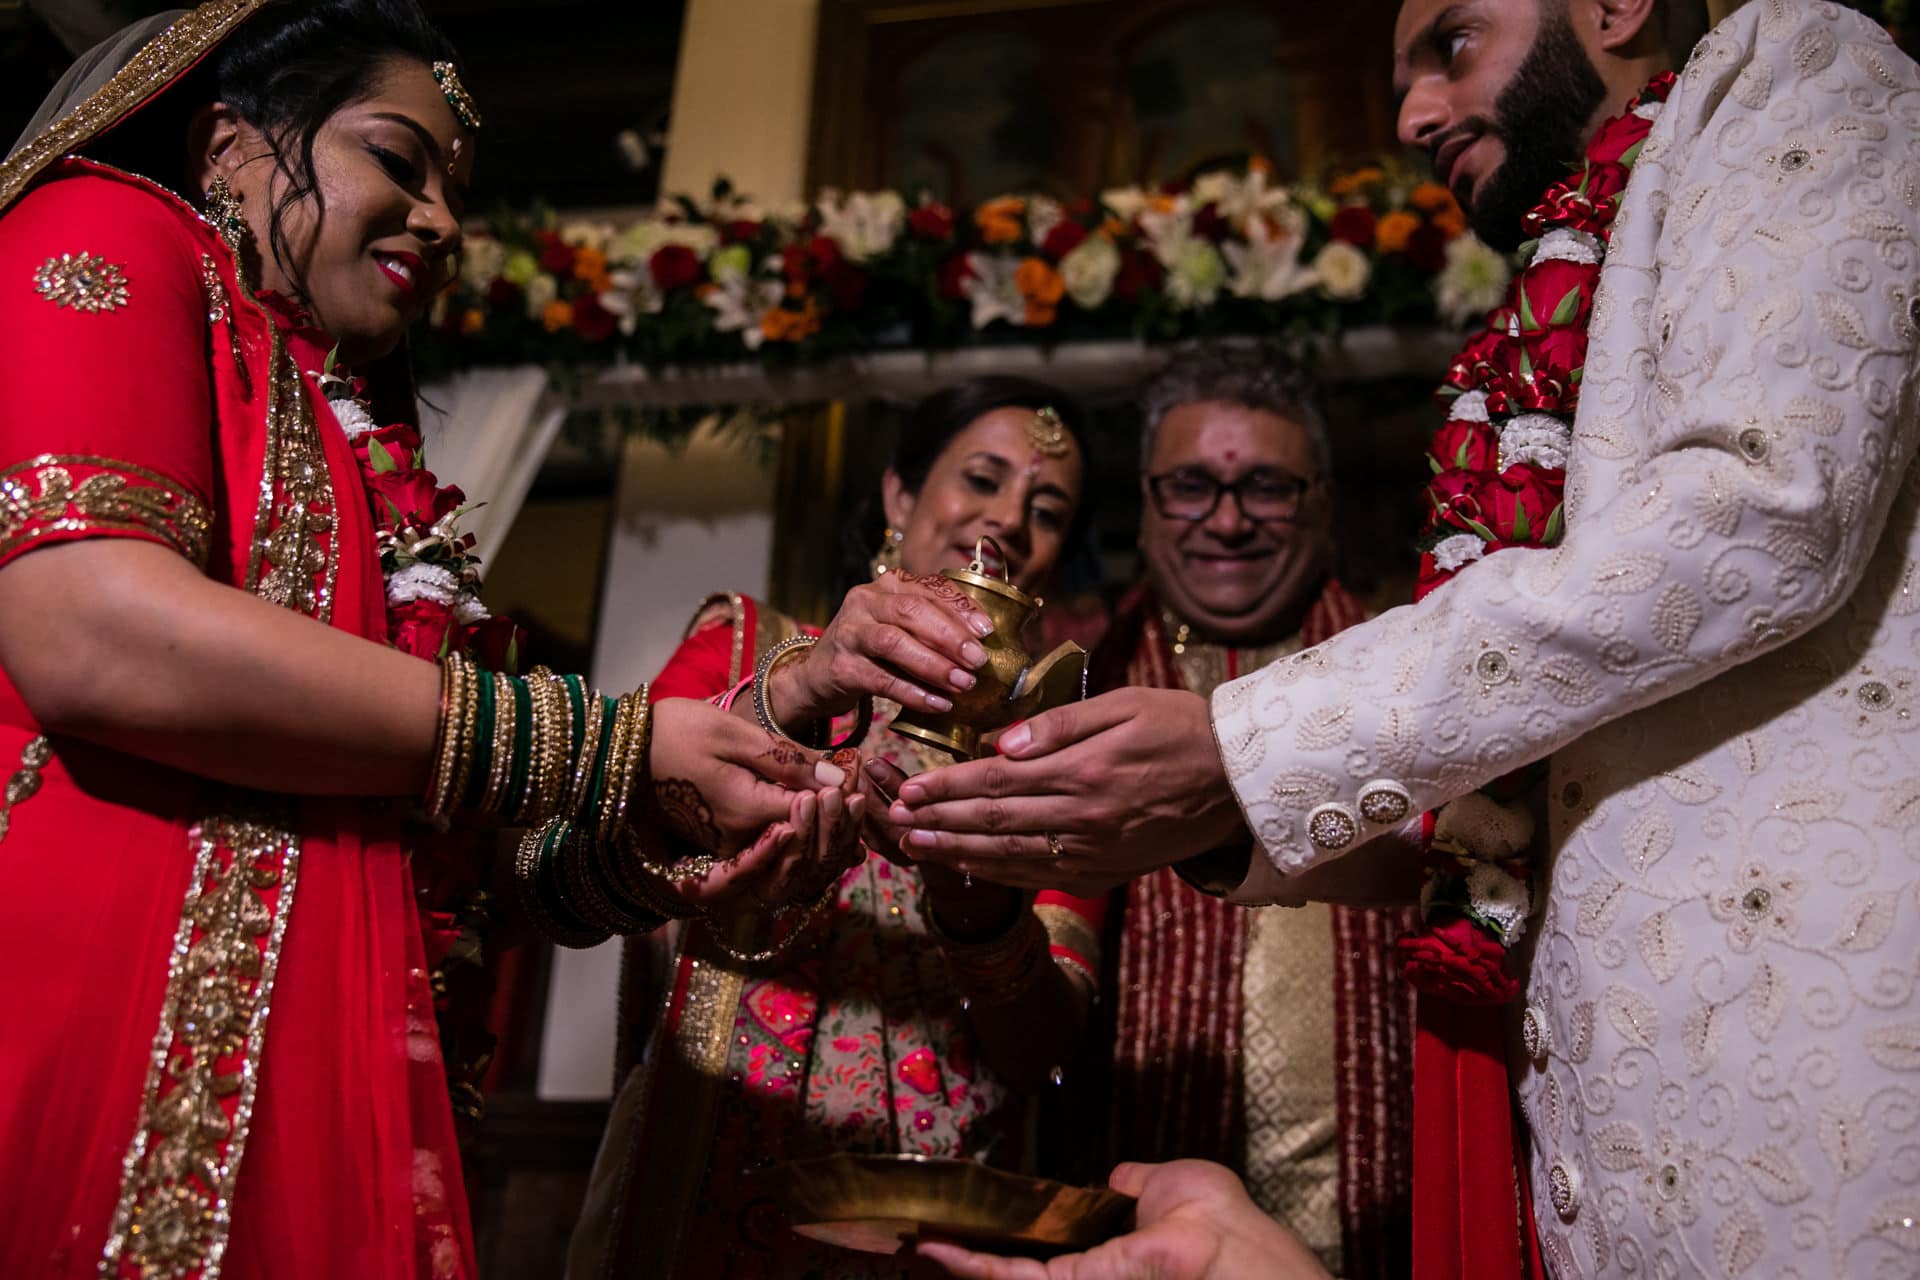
368	248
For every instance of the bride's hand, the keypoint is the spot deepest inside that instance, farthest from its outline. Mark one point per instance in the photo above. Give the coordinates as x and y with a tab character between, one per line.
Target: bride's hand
913	638
719	783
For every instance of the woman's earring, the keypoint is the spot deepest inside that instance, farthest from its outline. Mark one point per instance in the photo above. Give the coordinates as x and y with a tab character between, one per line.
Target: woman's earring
887	559
229	220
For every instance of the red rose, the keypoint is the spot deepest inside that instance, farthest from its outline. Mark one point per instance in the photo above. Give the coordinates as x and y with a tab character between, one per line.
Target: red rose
931	221
1210	224
556	255
1618	136
1462	445
1432	577
401	442
1427	248
1457	961
1604	181
740	231
1063	239
594	322
674	266
1462	373
496	643
1139	272
848	285
954	274
1455	488
1546	285
444	503
401	496
420	627
504	295
1353	224
1502	498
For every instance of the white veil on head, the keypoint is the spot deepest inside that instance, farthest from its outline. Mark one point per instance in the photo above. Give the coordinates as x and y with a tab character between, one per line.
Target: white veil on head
91	71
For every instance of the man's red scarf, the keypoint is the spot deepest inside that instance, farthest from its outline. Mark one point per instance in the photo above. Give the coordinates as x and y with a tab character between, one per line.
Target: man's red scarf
1177	1080
1499	471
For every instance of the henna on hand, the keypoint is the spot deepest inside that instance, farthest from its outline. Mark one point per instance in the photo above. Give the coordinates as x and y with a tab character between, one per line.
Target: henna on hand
943	587
782	751
687	813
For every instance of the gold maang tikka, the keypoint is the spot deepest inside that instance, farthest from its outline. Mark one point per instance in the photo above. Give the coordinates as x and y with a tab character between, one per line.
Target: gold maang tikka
447	76
1048	435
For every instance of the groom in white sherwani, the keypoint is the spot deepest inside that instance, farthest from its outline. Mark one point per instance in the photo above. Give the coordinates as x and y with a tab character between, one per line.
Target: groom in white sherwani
1721	1072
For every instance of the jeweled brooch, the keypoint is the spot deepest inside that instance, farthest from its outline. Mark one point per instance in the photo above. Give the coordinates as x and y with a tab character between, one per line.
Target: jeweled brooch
82	281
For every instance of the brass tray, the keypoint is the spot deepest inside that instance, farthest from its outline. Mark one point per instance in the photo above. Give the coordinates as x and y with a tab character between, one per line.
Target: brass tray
875	1204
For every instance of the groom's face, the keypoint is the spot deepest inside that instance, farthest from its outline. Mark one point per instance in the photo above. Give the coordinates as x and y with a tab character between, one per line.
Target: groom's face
1500	94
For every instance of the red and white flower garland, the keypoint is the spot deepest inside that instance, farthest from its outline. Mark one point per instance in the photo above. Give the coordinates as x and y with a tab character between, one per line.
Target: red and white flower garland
1499	466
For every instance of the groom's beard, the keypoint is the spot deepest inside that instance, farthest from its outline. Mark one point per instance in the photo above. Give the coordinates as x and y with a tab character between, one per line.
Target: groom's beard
1541	117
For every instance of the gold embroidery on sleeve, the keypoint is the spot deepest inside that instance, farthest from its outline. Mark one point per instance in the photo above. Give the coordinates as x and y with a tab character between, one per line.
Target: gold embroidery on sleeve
39	497
25	783
177	1180
296	536
82	281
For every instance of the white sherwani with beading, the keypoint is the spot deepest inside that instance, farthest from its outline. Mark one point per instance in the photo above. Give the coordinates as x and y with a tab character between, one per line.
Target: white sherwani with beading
1723	658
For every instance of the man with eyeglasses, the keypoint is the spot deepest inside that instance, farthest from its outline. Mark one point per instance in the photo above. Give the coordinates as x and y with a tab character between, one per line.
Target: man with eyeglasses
1225	1024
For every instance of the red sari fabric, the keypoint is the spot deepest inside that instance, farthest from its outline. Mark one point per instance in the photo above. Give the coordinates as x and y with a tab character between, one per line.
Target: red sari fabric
221	1050
854	1040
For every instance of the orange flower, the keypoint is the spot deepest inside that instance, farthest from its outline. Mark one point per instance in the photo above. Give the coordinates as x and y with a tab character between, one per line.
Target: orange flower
1431	197
557	316
1043	288
599	283
1350	183
1394	229
589	264
999	220
782	325
473	320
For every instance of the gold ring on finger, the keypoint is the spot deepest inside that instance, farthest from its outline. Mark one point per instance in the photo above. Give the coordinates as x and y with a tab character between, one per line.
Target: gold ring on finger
1054	848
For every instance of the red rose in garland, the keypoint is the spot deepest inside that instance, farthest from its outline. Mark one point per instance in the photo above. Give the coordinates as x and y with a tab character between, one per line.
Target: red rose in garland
1557	292
1457	961
1463	445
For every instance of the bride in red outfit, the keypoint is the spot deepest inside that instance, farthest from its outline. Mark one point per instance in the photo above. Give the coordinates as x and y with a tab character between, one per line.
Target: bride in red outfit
218	578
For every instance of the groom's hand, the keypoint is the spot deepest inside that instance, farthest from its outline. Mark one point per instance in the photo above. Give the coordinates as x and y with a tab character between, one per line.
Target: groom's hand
1125	783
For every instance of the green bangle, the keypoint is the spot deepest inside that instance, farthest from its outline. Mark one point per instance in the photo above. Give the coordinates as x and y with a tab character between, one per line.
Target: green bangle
522	747
482	743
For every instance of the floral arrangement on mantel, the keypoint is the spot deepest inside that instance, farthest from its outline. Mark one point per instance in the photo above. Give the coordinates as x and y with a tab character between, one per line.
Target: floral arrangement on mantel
727	279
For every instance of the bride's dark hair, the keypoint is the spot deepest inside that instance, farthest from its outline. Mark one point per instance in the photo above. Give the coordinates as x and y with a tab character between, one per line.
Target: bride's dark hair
286	70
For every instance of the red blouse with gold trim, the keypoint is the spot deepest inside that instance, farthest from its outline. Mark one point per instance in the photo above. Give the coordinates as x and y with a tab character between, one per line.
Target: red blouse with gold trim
220	1054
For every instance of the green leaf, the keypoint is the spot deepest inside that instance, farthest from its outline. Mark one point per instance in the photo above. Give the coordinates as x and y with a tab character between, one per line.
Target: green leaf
1527	321
1631	154
513	653
333	359
1480	529
1460	454
1433	464
1521	525
1568	308
1556	525
382	459
1526	363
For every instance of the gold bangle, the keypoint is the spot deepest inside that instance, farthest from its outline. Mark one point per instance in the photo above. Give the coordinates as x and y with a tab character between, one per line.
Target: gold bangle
447	739
500	772
763	674
637	763
589	755
469	732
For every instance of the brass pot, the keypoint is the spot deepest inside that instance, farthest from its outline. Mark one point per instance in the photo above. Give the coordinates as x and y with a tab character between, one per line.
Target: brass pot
1011	686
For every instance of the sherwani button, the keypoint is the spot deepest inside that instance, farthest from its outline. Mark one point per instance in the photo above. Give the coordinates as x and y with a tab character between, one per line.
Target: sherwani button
1385	802
1563	1189
1536	1034
1753	445
1332	827
1492	667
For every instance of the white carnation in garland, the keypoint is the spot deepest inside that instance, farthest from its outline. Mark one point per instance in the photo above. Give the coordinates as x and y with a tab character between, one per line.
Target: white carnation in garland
1499	900
1461	549
468	610
1473	281
420	581
1564	244
1469	406
353	416
1089	270
1649	110
1343	271
1537	438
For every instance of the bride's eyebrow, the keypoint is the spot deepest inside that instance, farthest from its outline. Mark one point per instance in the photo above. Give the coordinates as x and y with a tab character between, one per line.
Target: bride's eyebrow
419	131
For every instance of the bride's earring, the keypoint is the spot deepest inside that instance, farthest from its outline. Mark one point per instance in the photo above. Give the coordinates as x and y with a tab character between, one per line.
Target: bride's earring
229	219
887	559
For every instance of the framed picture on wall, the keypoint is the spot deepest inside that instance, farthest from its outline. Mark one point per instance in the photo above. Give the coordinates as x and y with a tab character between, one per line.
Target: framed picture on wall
967	99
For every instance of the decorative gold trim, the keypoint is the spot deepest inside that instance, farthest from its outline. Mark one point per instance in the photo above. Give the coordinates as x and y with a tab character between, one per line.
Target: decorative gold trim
36	495
85	282
295	556
36	755
220	311
177	1179
1068	928
158	64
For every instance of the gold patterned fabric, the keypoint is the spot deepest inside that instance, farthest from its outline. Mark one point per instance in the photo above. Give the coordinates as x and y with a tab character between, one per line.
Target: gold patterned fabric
296	538
61	495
